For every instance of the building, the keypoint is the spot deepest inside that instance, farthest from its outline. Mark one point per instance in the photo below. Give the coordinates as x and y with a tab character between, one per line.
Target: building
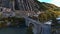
7	12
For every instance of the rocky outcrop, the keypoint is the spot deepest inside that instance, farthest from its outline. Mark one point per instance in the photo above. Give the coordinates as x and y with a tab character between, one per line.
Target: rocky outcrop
26	5
5	3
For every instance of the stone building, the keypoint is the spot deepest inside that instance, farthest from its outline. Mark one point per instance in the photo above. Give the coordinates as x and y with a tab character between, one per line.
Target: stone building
7	12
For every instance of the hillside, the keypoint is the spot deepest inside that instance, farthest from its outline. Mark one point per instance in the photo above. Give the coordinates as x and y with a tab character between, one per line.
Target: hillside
47	6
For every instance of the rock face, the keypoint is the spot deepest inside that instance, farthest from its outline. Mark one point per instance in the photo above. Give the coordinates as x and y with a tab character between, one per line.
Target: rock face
26	5
0	2
5	3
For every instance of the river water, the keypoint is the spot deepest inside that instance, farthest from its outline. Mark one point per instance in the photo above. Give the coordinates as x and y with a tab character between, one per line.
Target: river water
13	30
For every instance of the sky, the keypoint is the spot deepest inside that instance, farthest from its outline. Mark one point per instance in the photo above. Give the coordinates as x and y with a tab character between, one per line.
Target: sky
56	2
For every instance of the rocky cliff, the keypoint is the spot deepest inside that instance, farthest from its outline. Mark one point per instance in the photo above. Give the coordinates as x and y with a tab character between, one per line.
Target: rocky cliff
28	5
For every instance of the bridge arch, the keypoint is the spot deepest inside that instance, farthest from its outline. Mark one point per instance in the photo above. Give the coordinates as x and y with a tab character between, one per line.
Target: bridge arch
33	26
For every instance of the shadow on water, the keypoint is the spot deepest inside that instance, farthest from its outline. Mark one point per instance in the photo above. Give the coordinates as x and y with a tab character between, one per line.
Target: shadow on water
13	30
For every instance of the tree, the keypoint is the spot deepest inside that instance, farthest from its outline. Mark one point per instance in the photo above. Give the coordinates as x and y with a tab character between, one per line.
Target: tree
46	16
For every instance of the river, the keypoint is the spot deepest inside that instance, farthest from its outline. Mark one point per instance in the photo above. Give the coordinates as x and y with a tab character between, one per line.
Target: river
13	30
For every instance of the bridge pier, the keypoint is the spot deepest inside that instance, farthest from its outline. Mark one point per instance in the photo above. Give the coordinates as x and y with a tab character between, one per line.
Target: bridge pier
42	29
37	29
27	22
46	29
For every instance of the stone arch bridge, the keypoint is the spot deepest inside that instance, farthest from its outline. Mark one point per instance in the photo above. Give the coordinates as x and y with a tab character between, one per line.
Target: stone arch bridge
38	28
